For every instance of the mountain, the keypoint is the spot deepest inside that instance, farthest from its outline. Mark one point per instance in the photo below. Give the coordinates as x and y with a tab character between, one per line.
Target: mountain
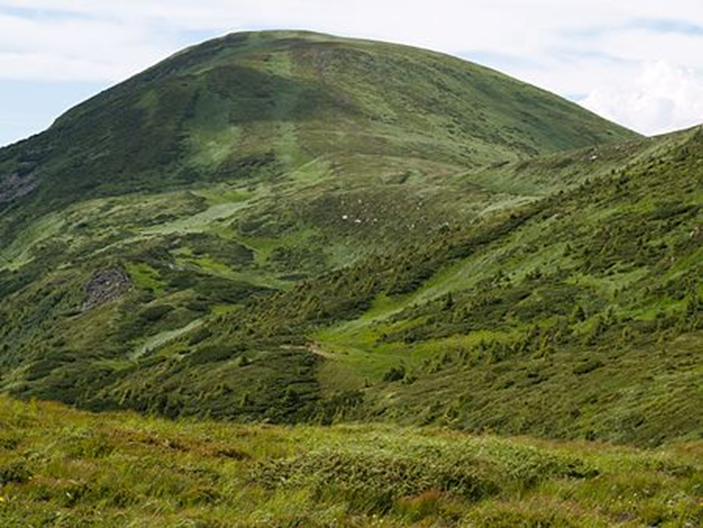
254	106
288	227
292	153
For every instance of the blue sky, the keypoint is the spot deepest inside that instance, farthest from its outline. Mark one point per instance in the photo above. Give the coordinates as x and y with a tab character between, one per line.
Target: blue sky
29	106
636	62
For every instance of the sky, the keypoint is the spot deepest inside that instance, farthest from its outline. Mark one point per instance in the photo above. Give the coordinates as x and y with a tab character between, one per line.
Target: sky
636	62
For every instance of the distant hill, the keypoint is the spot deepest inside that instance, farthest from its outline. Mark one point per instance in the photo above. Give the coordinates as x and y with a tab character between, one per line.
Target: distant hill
255	106
287	226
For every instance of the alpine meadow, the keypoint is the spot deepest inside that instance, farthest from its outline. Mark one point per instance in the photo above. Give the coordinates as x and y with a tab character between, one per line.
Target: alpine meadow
284	278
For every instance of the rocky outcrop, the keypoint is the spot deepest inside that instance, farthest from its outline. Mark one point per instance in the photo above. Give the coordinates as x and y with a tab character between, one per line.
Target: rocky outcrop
17	184
106	286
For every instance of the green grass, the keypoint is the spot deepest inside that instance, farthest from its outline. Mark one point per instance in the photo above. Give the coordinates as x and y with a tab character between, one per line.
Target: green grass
199	222
161	339
145	277
18	253
60	467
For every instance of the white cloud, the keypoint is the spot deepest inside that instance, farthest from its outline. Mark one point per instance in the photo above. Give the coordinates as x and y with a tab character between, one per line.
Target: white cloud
604	49
661	98
58	48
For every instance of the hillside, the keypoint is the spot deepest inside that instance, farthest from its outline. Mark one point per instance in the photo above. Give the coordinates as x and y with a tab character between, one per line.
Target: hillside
287	117
60	467
291	227
257	106
244	165
575	316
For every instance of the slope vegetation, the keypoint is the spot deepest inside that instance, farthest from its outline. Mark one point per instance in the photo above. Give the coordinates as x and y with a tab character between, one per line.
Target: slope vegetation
577	315
293	227
60	467
256	106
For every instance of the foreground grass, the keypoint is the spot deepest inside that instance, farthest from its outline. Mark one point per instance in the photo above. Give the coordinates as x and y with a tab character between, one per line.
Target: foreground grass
63	467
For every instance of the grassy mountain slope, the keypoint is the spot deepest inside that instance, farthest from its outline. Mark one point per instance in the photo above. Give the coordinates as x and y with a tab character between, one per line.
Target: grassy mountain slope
292	227
278	138
576	315
579	317
583	318
258	105
60	467
243	166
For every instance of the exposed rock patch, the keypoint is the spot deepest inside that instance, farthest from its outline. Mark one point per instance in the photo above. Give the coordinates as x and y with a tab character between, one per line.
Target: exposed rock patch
105	286
17	184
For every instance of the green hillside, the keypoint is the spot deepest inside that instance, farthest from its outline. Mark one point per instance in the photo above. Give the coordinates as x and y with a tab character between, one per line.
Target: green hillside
293	120
60	467
256	106
244	165
578	316
291	227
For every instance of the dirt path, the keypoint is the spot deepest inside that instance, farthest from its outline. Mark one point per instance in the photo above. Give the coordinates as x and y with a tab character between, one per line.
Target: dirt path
318	350
313	348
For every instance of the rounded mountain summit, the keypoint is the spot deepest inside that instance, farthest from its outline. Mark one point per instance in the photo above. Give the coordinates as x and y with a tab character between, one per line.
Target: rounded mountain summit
258	105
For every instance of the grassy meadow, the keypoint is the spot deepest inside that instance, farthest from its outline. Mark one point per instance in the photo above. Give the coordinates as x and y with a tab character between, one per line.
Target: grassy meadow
62	467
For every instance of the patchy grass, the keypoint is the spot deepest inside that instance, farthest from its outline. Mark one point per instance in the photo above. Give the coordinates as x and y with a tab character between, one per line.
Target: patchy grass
61	467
